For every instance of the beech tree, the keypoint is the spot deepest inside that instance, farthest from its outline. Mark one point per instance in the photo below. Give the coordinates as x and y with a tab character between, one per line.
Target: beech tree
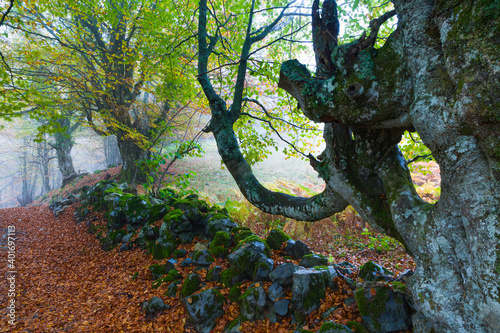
103	56
437	74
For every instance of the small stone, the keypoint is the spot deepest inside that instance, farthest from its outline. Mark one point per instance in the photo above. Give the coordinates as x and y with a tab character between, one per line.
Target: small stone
290	244
203	258
200	247
281	306
275	291
154	306
170	264
127	237
187	262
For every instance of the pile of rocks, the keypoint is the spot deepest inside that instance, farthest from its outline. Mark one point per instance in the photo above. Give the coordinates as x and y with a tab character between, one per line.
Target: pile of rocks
380	297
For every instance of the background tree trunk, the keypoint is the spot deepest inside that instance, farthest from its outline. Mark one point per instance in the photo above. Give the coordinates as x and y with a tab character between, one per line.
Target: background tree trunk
111	151
63	145
131	154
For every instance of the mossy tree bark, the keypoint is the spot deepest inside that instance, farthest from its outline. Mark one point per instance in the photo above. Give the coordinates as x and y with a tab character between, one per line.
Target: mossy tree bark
63	144
438	74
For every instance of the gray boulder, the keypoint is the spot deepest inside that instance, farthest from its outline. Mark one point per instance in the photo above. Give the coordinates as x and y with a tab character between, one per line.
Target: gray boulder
263	267
300	249
218	222
204	308
283	274
308	289
246	257
312	260
290	244
127	237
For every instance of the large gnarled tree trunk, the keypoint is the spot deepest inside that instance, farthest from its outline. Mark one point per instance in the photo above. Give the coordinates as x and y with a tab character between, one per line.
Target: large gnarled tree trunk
438	74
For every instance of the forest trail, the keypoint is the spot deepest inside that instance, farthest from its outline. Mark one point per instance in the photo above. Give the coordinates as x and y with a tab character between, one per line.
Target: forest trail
65	282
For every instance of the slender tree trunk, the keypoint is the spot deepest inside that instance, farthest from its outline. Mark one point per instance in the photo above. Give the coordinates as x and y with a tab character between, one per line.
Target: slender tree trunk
43	163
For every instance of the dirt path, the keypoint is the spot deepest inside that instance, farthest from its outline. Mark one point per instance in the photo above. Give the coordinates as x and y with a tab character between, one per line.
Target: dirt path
66	283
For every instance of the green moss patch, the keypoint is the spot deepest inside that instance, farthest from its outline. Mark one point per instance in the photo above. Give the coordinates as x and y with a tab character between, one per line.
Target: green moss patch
276	238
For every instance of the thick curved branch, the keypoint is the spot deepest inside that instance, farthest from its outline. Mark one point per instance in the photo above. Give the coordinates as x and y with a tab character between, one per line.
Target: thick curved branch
315	208
307	209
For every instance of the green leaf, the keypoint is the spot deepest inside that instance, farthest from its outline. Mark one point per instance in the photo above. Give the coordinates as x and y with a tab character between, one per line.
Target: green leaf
355	5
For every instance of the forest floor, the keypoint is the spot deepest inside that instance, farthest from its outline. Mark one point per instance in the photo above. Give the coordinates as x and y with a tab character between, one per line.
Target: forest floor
65	282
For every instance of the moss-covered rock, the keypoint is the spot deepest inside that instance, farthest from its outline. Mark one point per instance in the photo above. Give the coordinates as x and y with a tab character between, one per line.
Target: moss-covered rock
172	275
154	306
213	274
220	251
191	284
240	233
222	238
203	258
313	259
253	302
190	208
308	289
235	292
230	276
175	223
252	239
158	211
357	327
276	239
161	248
168	194
215	222
157	271
245	257
331	327
262	269
137	210
179	253
371	271
382	309
172	288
